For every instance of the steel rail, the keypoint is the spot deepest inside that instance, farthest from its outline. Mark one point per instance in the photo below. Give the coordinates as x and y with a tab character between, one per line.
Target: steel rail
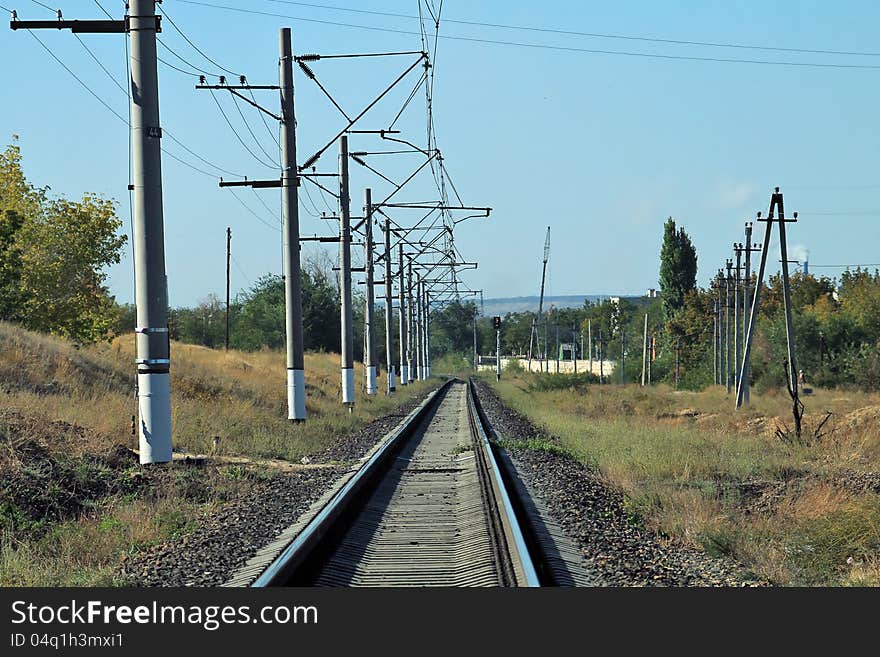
518	551
508	535
282	568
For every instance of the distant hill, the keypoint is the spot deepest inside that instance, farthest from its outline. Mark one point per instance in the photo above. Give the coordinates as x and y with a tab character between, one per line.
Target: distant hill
502	306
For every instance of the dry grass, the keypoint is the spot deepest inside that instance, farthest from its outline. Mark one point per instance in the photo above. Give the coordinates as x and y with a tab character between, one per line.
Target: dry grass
720	479
76	401
238	396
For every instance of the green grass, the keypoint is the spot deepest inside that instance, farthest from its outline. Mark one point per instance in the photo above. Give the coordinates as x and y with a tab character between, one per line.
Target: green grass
686	462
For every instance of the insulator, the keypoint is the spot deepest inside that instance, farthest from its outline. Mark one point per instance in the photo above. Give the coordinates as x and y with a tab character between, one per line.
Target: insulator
222	79
242	79
310	161
311	57
202	79
306	69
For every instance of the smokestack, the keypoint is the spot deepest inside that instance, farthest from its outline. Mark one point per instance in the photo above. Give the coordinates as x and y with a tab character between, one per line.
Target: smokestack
807	263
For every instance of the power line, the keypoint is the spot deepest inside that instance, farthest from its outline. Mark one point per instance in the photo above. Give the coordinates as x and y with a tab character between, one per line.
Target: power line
841	213
101	7
868	264
253	136
545	46
194	46
255	215
235	132
598	35
166	131
185	61
78	79
122	118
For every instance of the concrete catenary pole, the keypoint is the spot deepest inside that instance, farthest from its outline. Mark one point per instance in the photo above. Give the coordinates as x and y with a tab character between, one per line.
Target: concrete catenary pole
347	342
296	380
151	291
747	282
427	334
410	324
498	351
419	329
622	354
476	362
370	357
601	358
403	322
389	313
645	351
574	356
228	255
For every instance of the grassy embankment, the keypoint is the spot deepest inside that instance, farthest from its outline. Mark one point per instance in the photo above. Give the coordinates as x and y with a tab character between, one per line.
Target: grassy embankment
797	513
73	500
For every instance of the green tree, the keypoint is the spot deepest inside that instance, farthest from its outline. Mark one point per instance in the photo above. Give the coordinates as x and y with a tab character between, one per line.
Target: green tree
678	267
64	251
452	329
52	256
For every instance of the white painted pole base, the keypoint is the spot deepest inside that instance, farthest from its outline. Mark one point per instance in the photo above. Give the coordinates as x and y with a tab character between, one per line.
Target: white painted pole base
392	380
296	395
154	408
347	386
372	386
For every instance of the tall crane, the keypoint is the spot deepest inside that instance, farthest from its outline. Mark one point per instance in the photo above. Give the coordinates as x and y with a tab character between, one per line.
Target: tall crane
541	299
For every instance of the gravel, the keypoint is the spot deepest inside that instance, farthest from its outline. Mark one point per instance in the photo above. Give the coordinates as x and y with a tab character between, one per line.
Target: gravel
615	547
226	539
355	445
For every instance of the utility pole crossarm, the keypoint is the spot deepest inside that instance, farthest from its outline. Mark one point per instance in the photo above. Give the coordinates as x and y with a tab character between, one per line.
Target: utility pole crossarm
257	184
80	26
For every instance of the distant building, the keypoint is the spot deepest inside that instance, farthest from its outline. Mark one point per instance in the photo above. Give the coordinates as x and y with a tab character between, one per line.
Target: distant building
652	293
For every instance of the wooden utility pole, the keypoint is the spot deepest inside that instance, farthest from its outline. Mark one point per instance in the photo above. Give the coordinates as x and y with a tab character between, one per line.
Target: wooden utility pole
776	204
728	361
677	360
590	342
738	250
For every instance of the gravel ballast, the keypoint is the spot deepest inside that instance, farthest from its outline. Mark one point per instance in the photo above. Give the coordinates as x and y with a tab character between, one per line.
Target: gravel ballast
225	540
616	550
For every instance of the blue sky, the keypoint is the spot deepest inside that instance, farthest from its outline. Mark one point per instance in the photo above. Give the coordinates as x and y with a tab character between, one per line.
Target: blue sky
601	147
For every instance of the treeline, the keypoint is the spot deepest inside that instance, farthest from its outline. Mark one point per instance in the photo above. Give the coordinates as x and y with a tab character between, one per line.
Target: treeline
257	317
836	327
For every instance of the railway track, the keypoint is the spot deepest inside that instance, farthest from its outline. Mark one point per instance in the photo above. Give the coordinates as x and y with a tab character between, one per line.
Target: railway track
429	507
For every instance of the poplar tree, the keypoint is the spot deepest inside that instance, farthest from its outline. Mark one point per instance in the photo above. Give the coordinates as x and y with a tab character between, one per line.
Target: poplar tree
678	267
